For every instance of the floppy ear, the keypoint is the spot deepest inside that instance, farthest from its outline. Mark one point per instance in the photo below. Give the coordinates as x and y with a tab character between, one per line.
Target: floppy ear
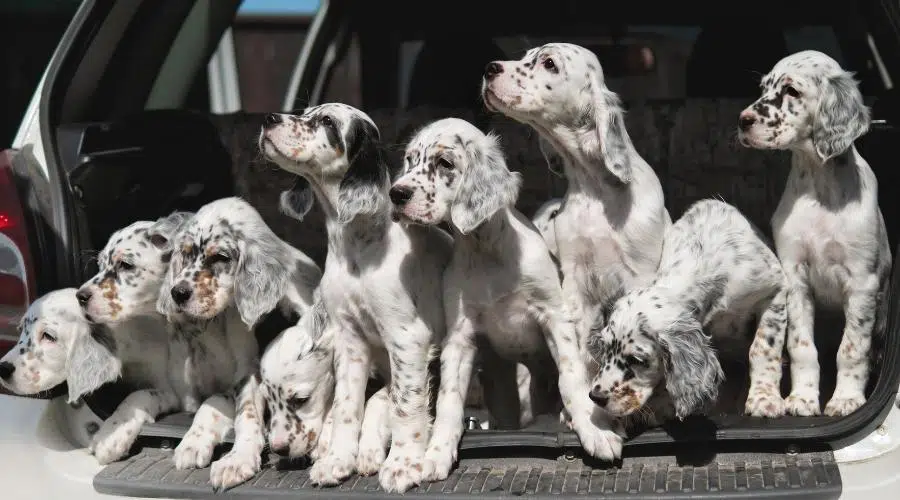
92	361
486	186
612	135
841	117
262	277
297	201
693	372
360	190
164	230
165	305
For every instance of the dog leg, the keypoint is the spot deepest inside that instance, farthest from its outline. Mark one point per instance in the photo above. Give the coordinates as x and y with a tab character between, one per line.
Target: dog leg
804	397
213	420
853	353
352	363
764	397
119	432
245	458
375	436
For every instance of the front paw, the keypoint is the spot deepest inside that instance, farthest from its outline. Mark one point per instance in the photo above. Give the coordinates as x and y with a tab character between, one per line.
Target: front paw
194	451
764	404
331	470
401	472
438	463
369	460
233	469
113	440
841	406
802	405
600	443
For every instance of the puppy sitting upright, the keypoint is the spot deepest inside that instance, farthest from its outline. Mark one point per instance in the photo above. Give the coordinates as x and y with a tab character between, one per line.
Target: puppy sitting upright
717	281
828	228
381	288
501	283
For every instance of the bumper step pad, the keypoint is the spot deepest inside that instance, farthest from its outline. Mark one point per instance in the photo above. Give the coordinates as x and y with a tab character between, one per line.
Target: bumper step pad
151	473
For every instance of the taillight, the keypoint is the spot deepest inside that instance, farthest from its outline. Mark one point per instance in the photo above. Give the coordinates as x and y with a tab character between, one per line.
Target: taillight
17	283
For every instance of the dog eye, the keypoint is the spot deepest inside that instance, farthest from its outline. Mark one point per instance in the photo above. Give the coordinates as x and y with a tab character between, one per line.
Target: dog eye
444	163
633	360
549	65
791	91
297	402
217	258
48	338
327	121
125	265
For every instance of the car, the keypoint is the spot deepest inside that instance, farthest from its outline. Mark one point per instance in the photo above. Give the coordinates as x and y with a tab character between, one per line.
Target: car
116	132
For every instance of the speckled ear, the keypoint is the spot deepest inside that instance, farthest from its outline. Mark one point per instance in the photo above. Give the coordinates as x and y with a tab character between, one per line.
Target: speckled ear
486	186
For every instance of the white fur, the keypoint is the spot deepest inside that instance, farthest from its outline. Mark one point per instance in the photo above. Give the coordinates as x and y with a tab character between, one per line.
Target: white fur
381	288
829	231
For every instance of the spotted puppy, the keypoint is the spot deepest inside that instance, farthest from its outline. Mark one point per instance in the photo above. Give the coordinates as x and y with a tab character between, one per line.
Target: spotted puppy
610	225
297	373
829	231
501	284
718	283
381	288
228	271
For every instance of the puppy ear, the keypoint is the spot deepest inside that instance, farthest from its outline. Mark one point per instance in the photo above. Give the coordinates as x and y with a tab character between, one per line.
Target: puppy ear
693	372
297	201
841	118
164	230
261	280
92	361
609	118
486	186
360	189
165	305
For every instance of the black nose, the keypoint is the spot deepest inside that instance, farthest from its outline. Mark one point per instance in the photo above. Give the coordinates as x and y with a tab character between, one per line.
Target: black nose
400	195
6	370
747	121
599	398
492	69
181	292
273	119
83	296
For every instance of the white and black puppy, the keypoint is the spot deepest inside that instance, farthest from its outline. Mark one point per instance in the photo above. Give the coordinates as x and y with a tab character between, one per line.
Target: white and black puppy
501	284
718	283
381	288
829	231
228	270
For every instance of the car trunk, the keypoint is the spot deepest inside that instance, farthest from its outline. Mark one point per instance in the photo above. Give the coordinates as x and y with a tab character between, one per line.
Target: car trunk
145	164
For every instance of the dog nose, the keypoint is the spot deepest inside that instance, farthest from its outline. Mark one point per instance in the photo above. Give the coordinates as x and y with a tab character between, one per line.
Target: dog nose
278	446
492	69
181	292
400	195
273	119
6	370
83	297
598	397
747	120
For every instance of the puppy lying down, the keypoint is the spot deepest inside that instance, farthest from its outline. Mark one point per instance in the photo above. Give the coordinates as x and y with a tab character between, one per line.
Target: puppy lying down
719	287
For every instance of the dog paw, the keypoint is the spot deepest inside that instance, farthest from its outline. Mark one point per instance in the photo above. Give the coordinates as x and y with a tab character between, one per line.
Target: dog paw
113	441
840	406
764	404
400	473
802	405
600	443
194	451
331	470
437	464
369	460
233	469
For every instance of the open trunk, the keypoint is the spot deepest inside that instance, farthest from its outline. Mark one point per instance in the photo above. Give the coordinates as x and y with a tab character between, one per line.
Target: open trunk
144	164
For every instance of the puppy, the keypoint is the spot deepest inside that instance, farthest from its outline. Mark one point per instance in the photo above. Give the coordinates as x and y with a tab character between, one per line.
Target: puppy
229	270
829	231
381	288
501	283
718	283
